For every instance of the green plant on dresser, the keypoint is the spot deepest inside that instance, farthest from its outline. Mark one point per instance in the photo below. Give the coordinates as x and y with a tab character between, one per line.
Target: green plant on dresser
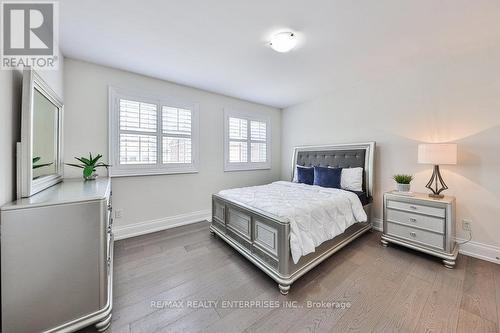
403	182
402	179
89	166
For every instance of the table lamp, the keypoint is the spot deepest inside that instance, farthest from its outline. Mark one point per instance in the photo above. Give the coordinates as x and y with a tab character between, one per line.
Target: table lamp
437	154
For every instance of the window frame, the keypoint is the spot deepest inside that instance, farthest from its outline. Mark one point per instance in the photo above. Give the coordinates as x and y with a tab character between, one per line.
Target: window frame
123	170
249	165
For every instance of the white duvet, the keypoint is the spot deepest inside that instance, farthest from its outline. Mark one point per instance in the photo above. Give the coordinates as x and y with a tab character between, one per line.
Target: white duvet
316	214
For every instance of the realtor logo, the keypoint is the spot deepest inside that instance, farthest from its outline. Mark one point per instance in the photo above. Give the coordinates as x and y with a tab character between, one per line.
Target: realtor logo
29	34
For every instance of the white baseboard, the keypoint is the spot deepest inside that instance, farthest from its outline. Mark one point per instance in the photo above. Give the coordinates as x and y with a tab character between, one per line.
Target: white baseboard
479	250
146	227
472	249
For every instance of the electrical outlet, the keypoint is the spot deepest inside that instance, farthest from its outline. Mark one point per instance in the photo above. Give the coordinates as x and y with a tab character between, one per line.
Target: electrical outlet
118	213
466	224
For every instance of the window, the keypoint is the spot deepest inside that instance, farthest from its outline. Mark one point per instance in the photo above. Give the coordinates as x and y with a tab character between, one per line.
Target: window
247	143
151	135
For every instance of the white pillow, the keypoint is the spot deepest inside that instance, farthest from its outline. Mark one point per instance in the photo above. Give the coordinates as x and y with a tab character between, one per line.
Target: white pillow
352	179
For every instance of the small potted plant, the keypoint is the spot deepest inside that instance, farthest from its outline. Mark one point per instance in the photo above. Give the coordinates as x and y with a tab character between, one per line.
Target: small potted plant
89	166
403	182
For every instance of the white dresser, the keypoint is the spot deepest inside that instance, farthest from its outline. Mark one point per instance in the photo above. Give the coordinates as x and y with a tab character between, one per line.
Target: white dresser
421	223
56	259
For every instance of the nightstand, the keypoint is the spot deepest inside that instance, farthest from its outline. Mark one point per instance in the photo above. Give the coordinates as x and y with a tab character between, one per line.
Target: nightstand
421	223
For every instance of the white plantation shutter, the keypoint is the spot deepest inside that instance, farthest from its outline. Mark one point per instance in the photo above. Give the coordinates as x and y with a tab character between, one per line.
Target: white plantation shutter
258	137
176	121
148	136
137	149
238	128
258	130
137	116
137	119
238	152
238	146
176	150
177	140
246	142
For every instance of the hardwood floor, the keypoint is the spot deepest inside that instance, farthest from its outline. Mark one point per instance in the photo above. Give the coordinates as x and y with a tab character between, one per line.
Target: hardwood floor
382	289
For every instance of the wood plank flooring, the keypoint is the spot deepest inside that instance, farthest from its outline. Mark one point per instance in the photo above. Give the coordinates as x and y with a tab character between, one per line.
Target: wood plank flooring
382	289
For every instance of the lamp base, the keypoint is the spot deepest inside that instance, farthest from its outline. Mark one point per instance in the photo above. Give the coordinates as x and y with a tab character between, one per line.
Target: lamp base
436	184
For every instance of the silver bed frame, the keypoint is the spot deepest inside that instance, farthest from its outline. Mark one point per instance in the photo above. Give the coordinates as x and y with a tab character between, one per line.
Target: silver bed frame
264	238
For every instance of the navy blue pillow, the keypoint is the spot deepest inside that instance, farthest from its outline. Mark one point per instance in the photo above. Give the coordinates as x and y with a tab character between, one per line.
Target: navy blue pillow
327	177
305	175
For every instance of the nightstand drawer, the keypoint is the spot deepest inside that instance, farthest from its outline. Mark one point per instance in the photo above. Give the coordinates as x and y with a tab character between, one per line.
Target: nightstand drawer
411	207
416	220
415	235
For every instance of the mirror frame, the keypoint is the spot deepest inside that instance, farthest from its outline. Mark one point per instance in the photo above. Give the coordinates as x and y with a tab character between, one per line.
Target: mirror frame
26	185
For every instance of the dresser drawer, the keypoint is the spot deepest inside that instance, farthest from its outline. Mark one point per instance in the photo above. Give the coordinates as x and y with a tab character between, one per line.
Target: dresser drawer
416	235
421	209
420	221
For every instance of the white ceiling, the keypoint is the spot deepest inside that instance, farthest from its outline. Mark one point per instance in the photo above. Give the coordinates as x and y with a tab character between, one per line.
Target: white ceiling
220	45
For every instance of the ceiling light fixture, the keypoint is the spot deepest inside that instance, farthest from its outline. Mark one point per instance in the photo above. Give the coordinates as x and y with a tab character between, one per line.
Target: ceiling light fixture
283	41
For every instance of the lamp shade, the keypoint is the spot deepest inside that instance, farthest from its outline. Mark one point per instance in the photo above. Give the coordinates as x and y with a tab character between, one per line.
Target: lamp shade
437	153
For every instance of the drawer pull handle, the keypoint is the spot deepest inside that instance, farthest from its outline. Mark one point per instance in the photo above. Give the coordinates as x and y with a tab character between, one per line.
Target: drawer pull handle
413	234
413	207
413	219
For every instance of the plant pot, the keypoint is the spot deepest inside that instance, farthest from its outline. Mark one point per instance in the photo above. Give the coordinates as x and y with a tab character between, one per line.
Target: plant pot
403	187
91	177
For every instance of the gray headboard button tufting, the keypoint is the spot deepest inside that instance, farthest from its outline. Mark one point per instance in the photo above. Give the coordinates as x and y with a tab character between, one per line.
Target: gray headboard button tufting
335	159
349	155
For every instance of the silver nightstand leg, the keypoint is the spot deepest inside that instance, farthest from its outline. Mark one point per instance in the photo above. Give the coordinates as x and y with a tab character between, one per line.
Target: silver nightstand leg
450	264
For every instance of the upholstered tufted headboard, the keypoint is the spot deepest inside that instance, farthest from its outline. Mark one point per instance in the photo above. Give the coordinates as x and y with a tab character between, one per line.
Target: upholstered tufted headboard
350	155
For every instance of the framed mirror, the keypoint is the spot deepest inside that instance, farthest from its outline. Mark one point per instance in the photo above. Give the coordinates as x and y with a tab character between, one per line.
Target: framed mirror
39	154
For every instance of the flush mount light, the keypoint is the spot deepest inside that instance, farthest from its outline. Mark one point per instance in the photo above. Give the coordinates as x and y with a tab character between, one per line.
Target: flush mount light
283	41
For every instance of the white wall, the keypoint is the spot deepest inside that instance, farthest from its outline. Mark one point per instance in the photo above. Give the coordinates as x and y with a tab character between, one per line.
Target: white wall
55	79
156	197
10	122
455	98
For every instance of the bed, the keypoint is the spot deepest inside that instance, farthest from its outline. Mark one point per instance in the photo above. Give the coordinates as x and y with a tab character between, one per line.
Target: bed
266	237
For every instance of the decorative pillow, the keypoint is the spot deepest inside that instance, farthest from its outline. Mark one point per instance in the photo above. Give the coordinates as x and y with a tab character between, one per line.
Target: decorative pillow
295	173
327	177
352	179
305	175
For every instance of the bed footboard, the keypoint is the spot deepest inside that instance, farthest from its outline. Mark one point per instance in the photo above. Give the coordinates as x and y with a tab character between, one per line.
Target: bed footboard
264	240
